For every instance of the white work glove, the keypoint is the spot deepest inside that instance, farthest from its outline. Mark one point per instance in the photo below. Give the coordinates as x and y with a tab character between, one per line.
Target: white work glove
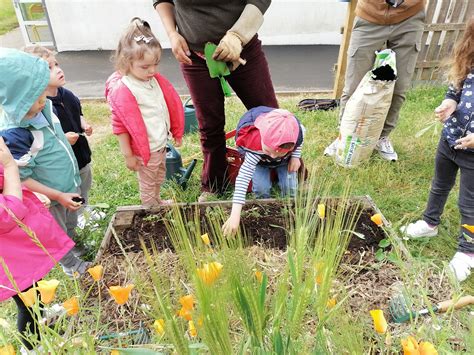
239	35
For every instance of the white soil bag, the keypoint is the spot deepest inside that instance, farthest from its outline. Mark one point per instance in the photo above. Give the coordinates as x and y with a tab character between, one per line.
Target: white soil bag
366	111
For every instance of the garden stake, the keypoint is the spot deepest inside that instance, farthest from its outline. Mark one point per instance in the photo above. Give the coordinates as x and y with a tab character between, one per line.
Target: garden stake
401	312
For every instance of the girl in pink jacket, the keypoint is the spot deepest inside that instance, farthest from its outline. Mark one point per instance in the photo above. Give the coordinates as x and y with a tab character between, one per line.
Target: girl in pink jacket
146	110
26	262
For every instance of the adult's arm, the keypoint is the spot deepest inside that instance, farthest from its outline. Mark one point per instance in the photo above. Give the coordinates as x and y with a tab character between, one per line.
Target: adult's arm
179	46
242	31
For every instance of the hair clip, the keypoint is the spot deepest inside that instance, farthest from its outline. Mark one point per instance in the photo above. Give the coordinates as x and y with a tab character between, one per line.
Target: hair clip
143	38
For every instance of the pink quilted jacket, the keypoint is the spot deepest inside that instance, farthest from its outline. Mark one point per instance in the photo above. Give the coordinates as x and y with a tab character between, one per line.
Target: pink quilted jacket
127	118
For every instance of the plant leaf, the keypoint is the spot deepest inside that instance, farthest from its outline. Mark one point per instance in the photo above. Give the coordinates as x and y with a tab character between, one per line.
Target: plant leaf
379	255
384	243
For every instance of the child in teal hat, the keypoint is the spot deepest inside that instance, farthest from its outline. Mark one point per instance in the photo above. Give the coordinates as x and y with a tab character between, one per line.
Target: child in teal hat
34	136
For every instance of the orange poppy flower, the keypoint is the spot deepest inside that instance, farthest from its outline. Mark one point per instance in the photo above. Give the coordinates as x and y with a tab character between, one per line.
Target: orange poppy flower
426	348
159	326
331	303
47	290
210	272
205	239
380	323
7	350
259	276
410	346
187	302
469	227
185	313
377	219
28	297
121	294
115	352
319	267
72	306
96	272
321	210
192	329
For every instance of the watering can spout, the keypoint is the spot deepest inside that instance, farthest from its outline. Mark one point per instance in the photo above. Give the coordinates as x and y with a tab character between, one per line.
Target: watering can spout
183	181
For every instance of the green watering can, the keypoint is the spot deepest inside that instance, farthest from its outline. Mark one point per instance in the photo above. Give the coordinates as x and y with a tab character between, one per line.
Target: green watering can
217	68
174	167
190	120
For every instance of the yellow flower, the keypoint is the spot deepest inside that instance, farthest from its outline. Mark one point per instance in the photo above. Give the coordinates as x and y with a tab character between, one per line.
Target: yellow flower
410	346
331	303
377	219
205	239
29	297
187	302
96	272
121	294
210	272
185	313
321	210
192	329
200	322
72	306
47	290
469	227
259	276
426	348
319	267
7	350
115	352
159	326
380	323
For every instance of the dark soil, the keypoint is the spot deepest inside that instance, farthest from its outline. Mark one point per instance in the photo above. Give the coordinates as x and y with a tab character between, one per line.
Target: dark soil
263	224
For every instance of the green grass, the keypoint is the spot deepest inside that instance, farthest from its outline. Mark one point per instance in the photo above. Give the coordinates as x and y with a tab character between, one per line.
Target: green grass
399	189
8	20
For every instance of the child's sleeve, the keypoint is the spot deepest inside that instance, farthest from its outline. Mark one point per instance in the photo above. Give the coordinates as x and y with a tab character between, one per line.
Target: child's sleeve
453	93
297	152
16	206
244	176
20	143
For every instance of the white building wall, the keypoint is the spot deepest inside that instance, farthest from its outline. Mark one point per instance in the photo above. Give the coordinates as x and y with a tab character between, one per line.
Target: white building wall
97	24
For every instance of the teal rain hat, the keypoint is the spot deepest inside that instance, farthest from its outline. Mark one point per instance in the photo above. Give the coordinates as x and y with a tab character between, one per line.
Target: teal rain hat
23	78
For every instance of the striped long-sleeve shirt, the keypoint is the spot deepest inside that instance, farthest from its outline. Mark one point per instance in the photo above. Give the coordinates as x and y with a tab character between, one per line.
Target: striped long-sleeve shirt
247	170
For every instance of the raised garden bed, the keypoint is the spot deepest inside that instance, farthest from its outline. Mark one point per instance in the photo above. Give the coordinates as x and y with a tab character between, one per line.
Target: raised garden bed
368	282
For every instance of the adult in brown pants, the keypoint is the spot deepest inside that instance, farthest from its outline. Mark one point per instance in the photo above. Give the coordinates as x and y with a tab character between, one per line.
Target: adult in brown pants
233	25
378	24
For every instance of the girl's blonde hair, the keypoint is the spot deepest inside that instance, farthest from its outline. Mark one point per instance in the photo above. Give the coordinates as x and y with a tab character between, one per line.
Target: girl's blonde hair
137	40
462	60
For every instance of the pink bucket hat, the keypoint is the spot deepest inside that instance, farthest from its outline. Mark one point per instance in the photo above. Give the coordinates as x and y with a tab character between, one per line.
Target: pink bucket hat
278	127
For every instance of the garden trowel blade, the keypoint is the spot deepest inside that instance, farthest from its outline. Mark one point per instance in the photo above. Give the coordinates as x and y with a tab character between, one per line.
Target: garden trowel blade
216	68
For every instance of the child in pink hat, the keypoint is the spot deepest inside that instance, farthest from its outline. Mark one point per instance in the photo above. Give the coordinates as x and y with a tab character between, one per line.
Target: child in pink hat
267	138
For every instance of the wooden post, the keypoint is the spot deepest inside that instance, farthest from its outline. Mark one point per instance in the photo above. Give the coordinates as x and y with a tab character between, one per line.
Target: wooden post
342	59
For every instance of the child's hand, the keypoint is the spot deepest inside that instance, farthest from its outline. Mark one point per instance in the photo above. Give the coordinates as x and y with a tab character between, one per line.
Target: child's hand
132	163
178	142
87	129
72	137
231	226
447	107
66	200
43	199
465	142
6	158
294	165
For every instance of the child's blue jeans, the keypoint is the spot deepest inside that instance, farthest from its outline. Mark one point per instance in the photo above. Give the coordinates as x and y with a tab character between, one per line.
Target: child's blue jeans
262	184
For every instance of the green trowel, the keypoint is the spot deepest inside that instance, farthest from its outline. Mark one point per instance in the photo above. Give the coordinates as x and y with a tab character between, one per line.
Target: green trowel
217	68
